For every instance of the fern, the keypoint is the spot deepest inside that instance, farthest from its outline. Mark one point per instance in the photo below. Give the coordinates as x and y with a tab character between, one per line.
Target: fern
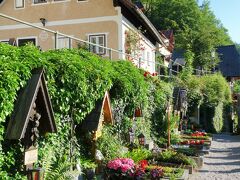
47	162
59	169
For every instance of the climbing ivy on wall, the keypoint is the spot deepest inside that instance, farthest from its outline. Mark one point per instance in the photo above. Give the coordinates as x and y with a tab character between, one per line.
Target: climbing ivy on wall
76	79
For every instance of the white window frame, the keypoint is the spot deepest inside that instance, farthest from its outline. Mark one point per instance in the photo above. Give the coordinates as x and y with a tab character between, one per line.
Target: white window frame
40	3
69	42
28	37
148	58
104	43
60	1
20	7
81	1
6	41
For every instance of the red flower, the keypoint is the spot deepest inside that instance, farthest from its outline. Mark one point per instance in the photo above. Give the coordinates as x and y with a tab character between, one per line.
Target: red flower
143	164
202	142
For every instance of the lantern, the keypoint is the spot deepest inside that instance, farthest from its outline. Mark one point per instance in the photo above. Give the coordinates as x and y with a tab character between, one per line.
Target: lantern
36	174
141	139
138	112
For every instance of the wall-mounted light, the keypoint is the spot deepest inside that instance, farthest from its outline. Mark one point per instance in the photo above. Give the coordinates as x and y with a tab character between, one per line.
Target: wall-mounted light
43	21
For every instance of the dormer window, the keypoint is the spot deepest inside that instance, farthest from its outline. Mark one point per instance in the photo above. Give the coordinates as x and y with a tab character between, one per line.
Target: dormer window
39	1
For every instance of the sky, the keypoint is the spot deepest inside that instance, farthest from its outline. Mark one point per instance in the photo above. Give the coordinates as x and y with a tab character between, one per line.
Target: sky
228	12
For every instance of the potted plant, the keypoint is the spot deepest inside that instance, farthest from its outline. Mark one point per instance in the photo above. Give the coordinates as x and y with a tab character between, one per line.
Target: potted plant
88	169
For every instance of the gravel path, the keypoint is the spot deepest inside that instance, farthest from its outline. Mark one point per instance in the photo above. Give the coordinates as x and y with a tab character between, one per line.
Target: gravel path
223	161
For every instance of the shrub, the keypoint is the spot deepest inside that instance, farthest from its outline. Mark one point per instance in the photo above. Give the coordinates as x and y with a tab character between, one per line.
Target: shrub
187	151
109	144
174	157
138	154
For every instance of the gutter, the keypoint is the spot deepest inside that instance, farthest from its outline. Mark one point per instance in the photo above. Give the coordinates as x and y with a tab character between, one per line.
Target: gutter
137	12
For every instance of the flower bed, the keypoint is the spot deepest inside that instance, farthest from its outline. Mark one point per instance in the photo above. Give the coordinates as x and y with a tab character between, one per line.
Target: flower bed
124	168
171	156
196	137
188	151
193	142
199	134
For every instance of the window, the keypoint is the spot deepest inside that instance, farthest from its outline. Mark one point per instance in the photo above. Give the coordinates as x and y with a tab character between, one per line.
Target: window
148	59
99	39
39	1
19	3
64	42
143	58
23	42
4	41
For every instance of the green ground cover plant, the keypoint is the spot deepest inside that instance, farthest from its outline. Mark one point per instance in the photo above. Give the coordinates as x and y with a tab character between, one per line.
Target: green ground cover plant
170	156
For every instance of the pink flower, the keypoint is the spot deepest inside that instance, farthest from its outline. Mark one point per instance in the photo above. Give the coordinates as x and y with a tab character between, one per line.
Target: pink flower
114	164
124	163
125	167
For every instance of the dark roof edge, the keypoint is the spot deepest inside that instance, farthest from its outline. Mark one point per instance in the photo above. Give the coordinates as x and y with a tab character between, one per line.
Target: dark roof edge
225	46
133	8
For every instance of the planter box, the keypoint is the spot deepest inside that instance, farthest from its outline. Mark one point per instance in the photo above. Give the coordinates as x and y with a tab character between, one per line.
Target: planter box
197	147
203	151
188	167
198	160
207	146
183	177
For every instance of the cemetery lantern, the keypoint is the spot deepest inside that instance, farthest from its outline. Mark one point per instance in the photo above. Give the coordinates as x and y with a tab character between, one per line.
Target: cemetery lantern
138	112
36	174
32	117
141	139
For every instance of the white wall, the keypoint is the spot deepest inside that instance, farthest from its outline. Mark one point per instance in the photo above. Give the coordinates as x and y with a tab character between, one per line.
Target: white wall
146	56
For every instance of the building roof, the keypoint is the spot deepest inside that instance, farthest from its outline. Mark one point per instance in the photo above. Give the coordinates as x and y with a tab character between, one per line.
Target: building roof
229	61
139	4
138	18
178	57
168	34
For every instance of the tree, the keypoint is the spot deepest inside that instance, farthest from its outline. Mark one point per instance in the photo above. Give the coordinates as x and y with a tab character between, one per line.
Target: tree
195	28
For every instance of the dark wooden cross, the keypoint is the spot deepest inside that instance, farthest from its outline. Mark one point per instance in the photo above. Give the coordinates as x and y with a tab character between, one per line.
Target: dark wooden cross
32	116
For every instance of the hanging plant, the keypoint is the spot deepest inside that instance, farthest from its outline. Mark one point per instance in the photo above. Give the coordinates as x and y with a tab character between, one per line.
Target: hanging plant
133	44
